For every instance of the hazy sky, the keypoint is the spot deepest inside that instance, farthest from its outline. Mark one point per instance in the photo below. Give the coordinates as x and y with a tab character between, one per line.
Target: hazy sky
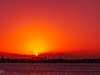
38	26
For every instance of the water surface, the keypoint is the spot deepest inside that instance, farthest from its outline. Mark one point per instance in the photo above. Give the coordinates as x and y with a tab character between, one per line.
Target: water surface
49	69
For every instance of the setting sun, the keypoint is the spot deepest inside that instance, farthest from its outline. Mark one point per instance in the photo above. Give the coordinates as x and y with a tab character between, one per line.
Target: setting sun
37	47
36	54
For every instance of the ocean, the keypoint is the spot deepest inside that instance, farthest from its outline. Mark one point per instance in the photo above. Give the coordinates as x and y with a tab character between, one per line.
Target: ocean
49	69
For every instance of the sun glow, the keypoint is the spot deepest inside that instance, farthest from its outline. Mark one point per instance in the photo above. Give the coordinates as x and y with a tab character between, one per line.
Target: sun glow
37	47
36	54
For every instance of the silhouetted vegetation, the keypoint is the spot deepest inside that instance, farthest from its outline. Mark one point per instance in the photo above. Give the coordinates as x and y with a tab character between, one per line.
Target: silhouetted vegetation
45	60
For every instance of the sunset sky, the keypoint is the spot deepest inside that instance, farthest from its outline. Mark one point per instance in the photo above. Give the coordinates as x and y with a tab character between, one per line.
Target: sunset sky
42	26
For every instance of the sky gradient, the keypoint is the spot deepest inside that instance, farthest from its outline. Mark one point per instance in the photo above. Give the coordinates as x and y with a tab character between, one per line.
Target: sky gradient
40	26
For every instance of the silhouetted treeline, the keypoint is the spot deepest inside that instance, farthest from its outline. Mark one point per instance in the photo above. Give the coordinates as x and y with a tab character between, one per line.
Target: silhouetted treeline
45	60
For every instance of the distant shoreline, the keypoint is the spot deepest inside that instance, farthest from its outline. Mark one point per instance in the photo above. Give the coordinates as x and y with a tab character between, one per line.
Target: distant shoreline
8	60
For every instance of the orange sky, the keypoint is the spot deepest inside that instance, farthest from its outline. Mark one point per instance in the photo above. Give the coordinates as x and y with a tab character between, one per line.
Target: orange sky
39	26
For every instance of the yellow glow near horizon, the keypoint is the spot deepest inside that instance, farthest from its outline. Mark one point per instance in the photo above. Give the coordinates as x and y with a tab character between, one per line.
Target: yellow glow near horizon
36	54
37	47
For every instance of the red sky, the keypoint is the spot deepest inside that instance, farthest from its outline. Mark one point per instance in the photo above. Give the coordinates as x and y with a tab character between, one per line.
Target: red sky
40	26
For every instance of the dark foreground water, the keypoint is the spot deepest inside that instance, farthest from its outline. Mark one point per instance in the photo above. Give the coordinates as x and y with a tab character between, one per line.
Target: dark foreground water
49	69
